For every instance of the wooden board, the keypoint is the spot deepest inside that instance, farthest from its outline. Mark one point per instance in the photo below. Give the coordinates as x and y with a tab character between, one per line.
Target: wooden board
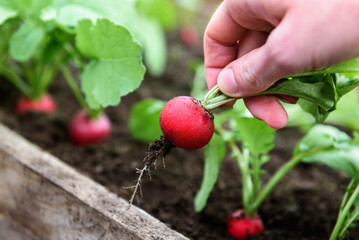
49	200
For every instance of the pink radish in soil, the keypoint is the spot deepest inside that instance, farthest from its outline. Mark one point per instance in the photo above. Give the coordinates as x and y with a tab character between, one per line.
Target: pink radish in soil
85	131
186	123
242	226
45	104
189	36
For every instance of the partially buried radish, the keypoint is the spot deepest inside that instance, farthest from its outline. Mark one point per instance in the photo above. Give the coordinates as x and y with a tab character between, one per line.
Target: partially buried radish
85	131
45	105
186	123
189	36
241	226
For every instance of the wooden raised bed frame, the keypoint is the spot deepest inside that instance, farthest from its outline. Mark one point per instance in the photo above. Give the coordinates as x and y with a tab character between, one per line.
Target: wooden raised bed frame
43	198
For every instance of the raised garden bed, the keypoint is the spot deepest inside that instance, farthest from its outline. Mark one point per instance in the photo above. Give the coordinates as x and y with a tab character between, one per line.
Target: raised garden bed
47	199
304	206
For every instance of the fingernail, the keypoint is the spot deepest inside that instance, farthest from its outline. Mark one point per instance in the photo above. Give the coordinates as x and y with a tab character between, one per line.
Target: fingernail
226	81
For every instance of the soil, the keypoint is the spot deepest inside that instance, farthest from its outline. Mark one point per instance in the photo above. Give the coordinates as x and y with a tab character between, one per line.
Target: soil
303	206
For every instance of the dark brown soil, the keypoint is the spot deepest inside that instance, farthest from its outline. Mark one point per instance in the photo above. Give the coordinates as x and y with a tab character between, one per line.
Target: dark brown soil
304	206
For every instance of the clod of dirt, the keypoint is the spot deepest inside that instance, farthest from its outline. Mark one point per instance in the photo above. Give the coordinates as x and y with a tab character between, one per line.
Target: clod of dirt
156	150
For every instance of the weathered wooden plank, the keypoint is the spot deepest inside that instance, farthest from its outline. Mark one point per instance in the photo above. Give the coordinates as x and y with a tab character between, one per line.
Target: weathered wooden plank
11	231
51	200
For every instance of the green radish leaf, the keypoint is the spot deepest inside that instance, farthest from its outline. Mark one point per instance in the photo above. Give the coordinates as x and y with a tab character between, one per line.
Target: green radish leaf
143	121
323	136
338	151
214	154
199	86
346	160
345	84
189	5
356	138
25	41
115	68
68	12
347	112
318	92
255	135
313	110
350	66
161	11
155	55
24	8
147	32
7	10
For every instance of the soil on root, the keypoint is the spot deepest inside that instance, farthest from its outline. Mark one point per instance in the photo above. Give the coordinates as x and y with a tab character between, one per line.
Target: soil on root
158	149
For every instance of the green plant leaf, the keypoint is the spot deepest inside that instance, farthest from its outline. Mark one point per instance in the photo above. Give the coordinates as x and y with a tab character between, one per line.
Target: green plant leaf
69	12
214	153
347	112
143	121
319	92
323	136
343	160
162	11
255	134
146	31
115	68
6	11
25	41
199	86
345	84
338	151
350	66
155	52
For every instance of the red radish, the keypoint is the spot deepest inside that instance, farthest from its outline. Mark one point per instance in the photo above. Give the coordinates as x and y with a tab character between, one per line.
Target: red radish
85	131
186	123
241	226
189	36
44	104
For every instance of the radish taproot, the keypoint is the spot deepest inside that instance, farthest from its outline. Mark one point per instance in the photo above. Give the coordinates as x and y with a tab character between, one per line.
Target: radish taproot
45	105
242	226
186	123
85	131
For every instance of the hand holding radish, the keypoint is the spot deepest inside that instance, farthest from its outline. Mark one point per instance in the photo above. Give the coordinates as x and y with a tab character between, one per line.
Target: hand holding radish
249	45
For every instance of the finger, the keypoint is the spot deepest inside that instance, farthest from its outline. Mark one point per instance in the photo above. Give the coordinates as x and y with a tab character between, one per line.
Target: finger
225	32
226	28
250	40
268	109
220	43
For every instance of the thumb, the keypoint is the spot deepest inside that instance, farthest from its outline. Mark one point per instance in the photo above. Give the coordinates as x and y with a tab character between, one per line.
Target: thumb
252	73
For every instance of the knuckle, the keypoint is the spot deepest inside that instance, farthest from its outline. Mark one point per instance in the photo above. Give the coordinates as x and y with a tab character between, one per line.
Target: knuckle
248	77
281	57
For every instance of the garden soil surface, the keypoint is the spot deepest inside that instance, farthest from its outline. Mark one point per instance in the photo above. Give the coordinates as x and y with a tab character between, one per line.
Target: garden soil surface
304	206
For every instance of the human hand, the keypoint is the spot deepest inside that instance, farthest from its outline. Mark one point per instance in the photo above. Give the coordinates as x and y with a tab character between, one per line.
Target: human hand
250	44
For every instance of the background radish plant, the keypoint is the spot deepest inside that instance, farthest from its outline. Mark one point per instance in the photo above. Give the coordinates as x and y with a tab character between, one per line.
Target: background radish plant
341	152
31	53
101	40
